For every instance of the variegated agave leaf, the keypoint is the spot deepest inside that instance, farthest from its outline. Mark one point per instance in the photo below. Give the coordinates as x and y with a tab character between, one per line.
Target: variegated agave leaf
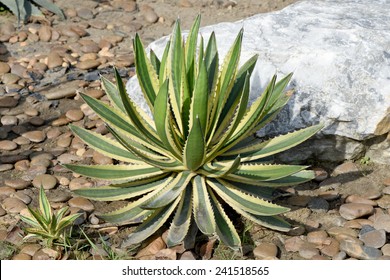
183	165
48	226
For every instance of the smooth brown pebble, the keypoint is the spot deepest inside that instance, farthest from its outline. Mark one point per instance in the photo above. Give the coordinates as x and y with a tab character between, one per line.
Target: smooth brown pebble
6	167
54	60
44	33
41	256
150	16
344	168
82	203
45	180
185	4
332	248
23	197
6	191
188	256
79	183
98	158
317	237
386	250
386	190
21	257
74	115
4	68
95	93
374	238
358	199
36	136
7	145
53	132
13	205
88	64
8	102
36	121
17	184
293	244
166	254
9	120
265	250
352	211
382	222
10	78
64	141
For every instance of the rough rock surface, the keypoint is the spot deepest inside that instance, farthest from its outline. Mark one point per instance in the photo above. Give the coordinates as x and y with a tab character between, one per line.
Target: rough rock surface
341	71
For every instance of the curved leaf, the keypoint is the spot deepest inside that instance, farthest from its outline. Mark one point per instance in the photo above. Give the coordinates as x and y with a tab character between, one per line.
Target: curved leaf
194	149
224	226
202	209
170	192
151	224
116	172
105	145
112	193
146	74
182	220
244	201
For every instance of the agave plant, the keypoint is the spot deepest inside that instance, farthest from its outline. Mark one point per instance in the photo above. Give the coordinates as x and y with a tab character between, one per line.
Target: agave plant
24	9
194	155
46	225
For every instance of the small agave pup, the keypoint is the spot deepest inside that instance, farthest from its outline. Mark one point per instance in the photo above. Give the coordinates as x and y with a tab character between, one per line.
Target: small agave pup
194	155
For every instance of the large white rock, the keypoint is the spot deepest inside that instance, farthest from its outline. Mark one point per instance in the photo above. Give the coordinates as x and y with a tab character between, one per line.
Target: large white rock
339	51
